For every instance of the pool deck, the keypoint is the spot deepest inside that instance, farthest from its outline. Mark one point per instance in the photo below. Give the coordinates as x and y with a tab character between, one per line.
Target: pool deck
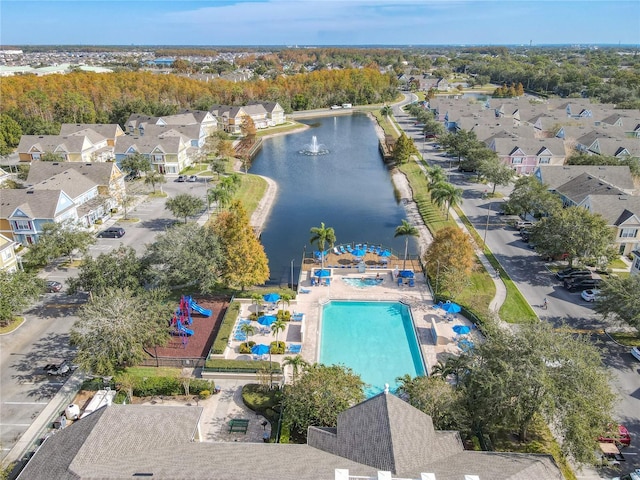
427	319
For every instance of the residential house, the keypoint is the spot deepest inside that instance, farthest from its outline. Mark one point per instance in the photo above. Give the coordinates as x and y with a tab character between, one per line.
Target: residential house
168	153
78	147
24	212
635	266
383	433
524	155
275	113
617	176
229	117
110	131
258	114
196	125
622	213
8	259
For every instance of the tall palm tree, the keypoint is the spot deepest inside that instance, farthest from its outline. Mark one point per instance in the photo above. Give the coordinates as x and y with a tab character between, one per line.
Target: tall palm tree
285	299
321	236
278	326
446	195
154	178
297	364
386	110
248	330
406	230
435	175
219	195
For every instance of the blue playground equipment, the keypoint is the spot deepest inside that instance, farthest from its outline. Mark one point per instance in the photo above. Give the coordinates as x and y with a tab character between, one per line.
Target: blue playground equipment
191	303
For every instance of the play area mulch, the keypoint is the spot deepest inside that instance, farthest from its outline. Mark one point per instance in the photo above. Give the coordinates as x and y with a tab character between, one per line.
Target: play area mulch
204	328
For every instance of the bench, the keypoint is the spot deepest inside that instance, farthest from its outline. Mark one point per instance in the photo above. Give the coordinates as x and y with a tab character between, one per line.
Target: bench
238	425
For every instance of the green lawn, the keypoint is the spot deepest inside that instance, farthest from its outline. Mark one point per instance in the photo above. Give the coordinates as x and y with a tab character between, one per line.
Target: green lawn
251	192
287	127
146	372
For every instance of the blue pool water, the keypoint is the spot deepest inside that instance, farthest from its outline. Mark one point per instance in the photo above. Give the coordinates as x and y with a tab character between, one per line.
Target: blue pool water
375	339
362	282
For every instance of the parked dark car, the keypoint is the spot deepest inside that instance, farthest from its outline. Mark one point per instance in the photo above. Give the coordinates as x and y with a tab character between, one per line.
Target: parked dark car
582	284
53	286
181	178
113	232
573	273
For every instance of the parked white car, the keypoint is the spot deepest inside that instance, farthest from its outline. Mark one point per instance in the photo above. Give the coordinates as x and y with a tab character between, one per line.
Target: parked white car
635	351
590	295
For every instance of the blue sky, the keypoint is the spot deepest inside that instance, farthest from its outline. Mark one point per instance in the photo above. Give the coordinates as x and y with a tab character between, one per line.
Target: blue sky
318	22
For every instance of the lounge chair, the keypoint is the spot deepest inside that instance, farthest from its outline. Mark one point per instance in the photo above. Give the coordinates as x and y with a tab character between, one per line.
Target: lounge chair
349	249
297	317
294	348
304	290
412	283
342	250
336	251
240	337
400	281
327	282
313	282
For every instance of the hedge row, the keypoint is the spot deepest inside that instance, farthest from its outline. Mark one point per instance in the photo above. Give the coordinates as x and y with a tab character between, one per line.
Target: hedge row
224	333
248	366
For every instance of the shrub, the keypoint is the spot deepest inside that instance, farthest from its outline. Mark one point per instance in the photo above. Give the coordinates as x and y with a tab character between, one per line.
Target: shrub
285	434
222	365
204	394
245	347
284	315
98	221
277	348
224	333
253	316
151	386
198	385
95	384
120	397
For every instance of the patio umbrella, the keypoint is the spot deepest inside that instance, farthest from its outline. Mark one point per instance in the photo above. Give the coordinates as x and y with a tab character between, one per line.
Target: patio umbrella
271	297
461	329
407	274
359	252
260	349
322	273
267	320
385	253
451	307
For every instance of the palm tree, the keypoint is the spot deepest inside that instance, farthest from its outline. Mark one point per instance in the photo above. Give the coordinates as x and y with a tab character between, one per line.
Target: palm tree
154	178
406	230
446	195
435	175
220	195
321	236
278	326
248	330
256	299
297	364
386	110
285	298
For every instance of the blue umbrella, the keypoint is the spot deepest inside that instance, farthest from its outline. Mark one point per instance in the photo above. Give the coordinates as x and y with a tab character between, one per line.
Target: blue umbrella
267	320
451	307
323	273
260	349
385	253
461	329
271	297
359	252
406	274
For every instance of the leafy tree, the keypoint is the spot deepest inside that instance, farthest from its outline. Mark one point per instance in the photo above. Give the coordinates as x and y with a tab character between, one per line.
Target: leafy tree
435	397
136	163
17	291
73	107
10	133
120	268
321	236
58	239
218	166
297	365
244	261
247	329
248	127
515	376
114	329
340	387
403	149
126	201
496	172
530	197
573	231
184	205
406	230
432	128
51	157
450	259
186	254
154	178
446	195
619	300
460	143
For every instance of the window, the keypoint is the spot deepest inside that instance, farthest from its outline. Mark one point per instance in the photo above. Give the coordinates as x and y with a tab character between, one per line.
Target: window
628	233
636	263
545	160
22	224
6	254
516	161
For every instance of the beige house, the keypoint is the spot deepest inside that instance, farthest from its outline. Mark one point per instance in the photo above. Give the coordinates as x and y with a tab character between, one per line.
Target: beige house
84	146
8	259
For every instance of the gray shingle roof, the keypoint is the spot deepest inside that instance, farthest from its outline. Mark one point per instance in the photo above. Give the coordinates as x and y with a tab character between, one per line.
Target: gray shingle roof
107	130
618	176
616	209
578	188
37	204
120	441
71	181
98	172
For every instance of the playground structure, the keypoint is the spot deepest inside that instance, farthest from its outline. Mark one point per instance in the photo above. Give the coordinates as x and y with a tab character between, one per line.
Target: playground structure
182	317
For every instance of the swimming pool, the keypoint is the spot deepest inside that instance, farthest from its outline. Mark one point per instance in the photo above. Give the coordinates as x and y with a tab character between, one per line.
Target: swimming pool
375	339
364	282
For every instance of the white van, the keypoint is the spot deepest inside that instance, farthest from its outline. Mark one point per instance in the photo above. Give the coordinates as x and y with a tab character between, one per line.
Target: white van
346	105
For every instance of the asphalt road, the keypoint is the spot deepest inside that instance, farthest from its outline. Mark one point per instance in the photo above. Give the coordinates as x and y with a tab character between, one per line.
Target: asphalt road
534	280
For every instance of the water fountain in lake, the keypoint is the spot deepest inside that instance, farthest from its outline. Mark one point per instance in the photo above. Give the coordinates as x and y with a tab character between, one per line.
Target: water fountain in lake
314	148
